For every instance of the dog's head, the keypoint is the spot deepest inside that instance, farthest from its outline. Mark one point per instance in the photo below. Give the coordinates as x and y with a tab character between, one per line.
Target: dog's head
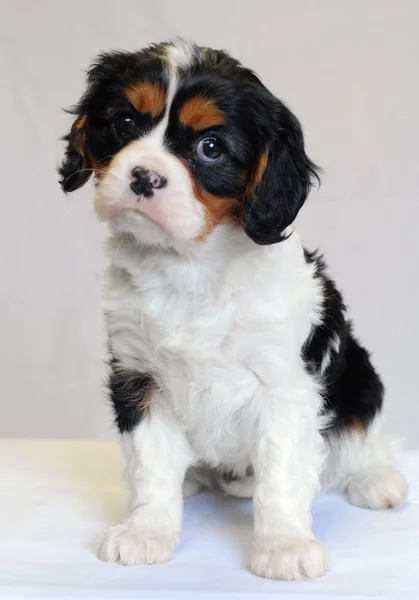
181	139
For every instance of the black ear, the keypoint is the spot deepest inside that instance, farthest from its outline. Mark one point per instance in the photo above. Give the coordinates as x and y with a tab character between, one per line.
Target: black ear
75	169
281	179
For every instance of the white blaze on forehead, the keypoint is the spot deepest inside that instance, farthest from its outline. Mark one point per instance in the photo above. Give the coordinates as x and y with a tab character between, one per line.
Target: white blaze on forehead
159	131
180	54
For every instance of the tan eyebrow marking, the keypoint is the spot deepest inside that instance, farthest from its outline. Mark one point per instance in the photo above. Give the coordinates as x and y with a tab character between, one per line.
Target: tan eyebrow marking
201	113
147	98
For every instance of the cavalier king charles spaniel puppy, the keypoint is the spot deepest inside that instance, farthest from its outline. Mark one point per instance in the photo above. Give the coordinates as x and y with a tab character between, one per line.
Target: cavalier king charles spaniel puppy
232	362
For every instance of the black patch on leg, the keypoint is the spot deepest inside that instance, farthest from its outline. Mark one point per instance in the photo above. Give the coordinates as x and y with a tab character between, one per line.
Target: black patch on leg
129	393
352	389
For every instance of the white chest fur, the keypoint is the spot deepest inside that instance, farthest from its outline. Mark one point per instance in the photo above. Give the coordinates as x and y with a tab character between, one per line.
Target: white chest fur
217	328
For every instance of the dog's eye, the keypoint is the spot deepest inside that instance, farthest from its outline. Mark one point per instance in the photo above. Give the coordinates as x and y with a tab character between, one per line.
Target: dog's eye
210	150
125	126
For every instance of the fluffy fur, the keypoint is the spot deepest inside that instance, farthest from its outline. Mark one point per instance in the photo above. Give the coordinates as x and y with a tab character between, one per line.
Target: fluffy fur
233	364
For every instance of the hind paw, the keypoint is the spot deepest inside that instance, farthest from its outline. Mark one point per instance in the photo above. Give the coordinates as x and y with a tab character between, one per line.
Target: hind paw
378	488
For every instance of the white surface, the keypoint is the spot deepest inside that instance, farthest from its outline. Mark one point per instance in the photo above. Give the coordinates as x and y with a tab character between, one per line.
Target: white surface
56	497
349	71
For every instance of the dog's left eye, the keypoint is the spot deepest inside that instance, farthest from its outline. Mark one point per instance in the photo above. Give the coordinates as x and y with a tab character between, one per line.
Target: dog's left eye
125	126
210	150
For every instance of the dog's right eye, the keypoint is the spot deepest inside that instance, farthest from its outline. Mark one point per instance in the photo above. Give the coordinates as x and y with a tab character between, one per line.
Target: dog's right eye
125	126
210	149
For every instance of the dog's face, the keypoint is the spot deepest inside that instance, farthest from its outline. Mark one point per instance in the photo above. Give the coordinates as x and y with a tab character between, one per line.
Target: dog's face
181	139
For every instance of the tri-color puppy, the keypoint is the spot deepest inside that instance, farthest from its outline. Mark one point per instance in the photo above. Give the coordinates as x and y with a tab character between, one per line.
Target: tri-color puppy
232	362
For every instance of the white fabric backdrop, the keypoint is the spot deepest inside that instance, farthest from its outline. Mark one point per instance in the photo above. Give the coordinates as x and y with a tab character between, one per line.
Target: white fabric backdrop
349	71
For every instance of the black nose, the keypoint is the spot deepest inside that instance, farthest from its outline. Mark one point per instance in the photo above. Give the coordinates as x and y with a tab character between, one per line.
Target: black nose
144	182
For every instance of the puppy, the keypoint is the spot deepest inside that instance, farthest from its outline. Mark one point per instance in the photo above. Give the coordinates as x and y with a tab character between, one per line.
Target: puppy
232	362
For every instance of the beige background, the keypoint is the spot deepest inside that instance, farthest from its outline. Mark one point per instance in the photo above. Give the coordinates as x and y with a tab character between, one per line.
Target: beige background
350	72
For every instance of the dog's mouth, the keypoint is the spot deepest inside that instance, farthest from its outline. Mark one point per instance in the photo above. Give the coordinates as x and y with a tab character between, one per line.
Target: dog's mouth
148	217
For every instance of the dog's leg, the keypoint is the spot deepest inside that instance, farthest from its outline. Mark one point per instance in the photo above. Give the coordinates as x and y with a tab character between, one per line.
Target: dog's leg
157	455
289	458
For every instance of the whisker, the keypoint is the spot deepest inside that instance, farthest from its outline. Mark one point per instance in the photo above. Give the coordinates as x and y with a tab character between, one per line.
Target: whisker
81	171
124	235
110	156
95	171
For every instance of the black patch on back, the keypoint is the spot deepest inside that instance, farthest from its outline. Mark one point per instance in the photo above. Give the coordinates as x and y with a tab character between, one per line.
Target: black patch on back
353	391
333	323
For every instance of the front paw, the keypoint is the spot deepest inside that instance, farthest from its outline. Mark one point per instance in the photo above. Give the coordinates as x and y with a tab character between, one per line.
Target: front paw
289	558
129	545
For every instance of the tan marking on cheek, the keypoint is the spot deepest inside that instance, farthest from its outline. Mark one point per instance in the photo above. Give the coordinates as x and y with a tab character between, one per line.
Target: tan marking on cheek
358	426
147	98
200	113
80	130
217	210
99	167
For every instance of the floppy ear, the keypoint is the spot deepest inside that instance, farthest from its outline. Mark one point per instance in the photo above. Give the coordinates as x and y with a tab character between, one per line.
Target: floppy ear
75	169
280	182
